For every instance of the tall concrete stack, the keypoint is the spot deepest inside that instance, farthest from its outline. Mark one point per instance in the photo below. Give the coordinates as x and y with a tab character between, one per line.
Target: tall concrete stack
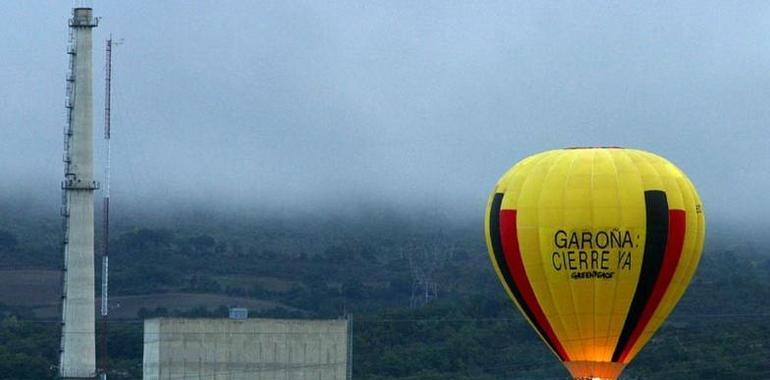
78	341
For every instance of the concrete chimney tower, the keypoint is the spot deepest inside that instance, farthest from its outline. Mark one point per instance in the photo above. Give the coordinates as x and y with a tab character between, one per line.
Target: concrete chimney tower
78	341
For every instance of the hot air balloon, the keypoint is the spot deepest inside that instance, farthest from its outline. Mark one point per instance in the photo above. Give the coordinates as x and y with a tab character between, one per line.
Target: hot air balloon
595	246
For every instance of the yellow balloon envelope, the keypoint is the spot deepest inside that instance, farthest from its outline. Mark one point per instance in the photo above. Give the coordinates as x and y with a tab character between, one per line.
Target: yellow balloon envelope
595	246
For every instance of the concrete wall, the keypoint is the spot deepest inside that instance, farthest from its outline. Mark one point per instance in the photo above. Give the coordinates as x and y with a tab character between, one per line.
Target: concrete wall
258	349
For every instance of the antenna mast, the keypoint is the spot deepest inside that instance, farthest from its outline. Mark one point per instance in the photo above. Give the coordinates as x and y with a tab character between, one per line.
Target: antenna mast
105	309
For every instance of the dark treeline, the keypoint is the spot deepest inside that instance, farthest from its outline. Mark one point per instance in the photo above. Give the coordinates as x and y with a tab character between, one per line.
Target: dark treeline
425	301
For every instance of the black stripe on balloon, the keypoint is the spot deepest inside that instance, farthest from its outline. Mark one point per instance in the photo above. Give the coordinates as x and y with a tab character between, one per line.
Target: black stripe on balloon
654	249
502	265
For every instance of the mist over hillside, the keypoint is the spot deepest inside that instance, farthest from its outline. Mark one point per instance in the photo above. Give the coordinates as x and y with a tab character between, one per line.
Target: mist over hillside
22	211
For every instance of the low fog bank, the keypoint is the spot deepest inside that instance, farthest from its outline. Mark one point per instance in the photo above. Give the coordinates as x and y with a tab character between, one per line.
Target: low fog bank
27	211
433	214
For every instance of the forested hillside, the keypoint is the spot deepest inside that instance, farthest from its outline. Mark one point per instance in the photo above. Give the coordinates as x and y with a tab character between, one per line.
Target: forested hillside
425	301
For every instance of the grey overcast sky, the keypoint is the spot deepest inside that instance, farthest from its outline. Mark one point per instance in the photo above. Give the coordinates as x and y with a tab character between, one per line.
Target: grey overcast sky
296	104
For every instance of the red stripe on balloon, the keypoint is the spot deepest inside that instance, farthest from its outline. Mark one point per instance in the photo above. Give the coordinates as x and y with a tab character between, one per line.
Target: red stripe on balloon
510	242
676	227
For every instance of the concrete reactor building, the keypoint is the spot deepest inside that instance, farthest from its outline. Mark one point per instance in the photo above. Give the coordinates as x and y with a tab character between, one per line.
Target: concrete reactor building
254	349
